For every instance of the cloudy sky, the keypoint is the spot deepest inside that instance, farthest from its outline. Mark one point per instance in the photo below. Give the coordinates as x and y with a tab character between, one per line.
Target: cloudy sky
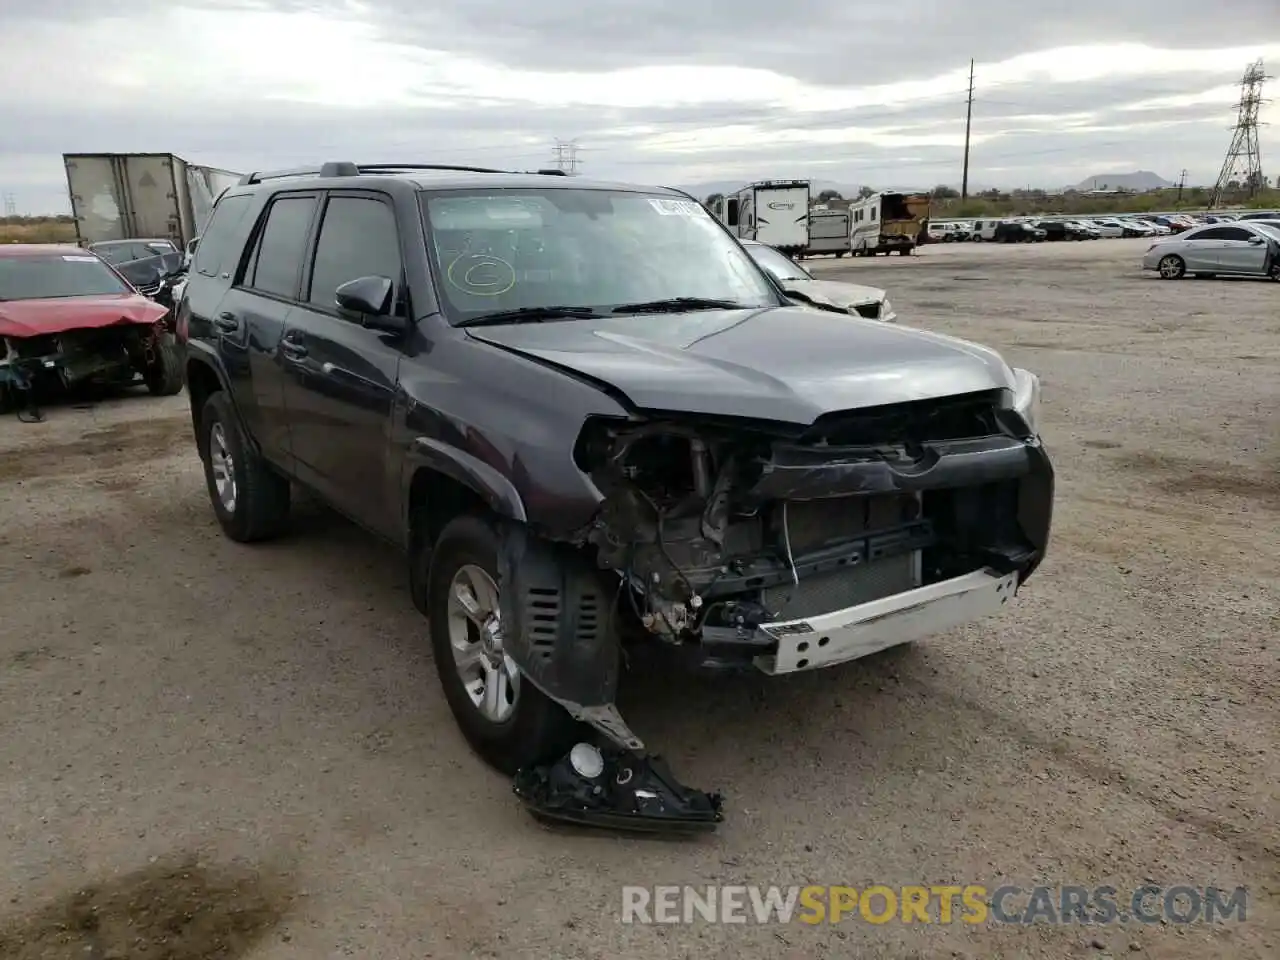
859	92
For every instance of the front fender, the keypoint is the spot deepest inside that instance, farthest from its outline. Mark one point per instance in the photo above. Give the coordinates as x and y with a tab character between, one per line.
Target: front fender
496	490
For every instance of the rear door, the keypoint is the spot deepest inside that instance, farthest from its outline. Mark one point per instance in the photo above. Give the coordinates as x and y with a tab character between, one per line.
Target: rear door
250	320
341	376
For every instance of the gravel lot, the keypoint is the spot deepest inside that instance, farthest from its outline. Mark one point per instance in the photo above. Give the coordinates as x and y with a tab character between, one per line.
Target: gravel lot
243	752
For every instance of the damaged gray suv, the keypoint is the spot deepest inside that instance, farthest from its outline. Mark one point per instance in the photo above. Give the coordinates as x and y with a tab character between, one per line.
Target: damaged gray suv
591	421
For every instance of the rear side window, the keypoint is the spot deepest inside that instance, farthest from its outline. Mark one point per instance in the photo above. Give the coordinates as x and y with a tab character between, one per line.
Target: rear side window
1236	233
215	247
358	238
277	262
1222	233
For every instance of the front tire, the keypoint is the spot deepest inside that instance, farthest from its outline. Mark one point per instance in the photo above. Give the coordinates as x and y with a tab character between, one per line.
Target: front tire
508	721
164	375
1171	267
250	500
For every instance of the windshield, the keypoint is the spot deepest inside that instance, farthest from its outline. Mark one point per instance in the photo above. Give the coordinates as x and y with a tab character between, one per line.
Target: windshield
44	277
780	266
114	253
495	251
1270	229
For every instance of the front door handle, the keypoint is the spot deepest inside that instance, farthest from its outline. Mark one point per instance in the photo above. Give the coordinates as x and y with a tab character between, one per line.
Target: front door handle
227	322
293	350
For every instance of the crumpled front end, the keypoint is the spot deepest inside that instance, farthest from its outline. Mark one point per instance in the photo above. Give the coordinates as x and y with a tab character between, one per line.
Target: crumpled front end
738	545
720	532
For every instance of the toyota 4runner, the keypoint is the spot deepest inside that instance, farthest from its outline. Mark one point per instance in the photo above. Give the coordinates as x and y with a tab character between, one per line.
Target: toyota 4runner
590	420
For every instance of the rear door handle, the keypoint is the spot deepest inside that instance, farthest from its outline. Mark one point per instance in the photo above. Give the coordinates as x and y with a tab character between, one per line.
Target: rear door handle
227	322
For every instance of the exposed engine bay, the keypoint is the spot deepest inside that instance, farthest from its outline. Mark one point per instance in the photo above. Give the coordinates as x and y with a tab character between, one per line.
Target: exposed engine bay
72	359
719	531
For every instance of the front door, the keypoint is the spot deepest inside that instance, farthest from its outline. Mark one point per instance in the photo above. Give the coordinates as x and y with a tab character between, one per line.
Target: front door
1239	251
340	376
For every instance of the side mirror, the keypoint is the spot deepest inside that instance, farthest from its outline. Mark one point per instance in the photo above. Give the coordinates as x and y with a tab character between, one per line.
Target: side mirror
1256	241
367	301
191	246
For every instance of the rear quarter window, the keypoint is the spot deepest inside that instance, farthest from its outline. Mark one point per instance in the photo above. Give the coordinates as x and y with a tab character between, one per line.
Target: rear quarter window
215	252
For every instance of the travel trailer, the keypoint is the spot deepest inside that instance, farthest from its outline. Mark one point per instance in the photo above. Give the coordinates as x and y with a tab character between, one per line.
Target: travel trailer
775	212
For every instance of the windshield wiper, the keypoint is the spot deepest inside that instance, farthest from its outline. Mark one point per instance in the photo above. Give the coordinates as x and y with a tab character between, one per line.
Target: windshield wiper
530	314
680	305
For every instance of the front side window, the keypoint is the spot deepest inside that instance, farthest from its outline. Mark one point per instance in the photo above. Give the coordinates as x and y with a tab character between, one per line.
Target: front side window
61	275
358	238
499	250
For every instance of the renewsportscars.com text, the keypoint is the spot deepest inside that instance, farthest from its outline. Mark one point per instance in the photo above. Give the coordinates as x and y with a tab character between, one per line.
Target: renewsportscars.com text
970	904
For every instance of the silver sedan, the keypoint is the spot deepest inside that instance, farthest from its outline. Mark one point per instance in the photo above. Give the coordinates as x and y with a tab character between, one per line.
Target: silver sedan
1248	248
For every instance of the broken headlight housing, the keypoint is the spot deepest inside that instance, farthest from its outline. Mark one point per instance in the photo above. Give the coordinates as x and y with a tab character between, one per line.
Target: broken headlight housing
1026	397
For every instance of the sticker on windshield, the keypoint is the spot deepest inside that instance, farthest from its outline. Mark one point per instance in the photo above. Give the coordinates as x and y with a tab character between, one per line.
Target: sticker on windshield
675	208
80	259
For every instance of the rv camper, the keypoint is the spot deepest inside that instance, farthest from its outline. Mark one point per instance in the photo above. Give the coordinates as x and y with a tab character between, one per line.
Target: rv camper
775	212
885	222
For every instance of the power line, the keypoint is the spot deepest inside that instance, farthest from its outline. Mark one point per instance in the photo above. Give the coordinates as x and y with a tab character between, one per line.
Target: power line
1243	162
968	125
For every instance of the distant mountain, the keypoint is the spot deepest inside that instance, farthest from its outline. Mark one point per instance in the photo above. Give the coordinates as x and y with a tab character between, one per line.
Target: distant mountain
1138	181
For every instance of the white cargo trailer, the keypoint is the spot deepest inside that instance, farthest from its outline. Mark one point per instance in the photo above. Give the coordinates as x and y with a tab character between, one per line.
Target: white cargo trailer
828	232
118	196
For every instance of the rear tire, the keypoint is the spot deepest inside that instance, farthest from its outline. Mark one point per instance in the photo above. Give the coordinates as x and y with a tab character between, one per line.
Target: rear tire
250	500
164	376
537	729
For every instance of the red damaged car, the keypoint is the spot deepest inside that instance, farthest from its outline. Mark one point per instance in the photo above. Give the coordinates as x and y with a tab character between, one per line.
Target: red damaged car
68	318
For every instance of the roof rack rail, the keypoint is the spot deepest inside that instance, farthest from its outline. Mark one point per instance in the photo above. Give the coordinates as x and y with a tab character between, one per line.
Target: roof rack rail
345	168
395	167
336	169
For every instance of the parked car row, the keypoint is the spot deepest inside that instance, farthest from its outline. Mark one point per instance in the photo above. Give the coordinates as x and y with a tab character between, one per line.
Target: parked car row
1033	229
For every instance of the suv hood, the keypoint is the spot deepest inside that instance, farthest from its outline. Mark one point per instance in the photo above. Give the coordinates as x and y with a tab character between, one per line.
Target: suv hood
34	318
786	364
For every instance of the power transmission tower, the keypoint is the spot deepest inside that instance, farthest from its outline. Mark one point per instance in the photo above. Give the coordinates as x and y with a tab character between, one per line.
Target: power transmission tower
566	152
1182	182
968	123
10	205
1243	163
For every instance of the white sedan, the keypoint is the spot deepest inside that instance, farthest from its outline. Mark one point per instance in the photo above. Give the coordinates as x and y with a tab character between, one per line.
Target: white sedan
834	295
1247	248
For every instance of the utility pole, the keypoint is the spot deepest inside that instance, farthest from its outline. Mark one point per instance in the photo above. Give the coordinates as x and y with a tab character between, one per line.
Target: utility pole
566	153
1243	163
968	123
1182	182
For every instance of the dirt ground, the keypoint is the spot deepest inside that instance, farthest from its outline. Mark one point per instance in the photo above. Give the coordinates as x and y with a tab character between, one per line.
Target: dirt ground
211	750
